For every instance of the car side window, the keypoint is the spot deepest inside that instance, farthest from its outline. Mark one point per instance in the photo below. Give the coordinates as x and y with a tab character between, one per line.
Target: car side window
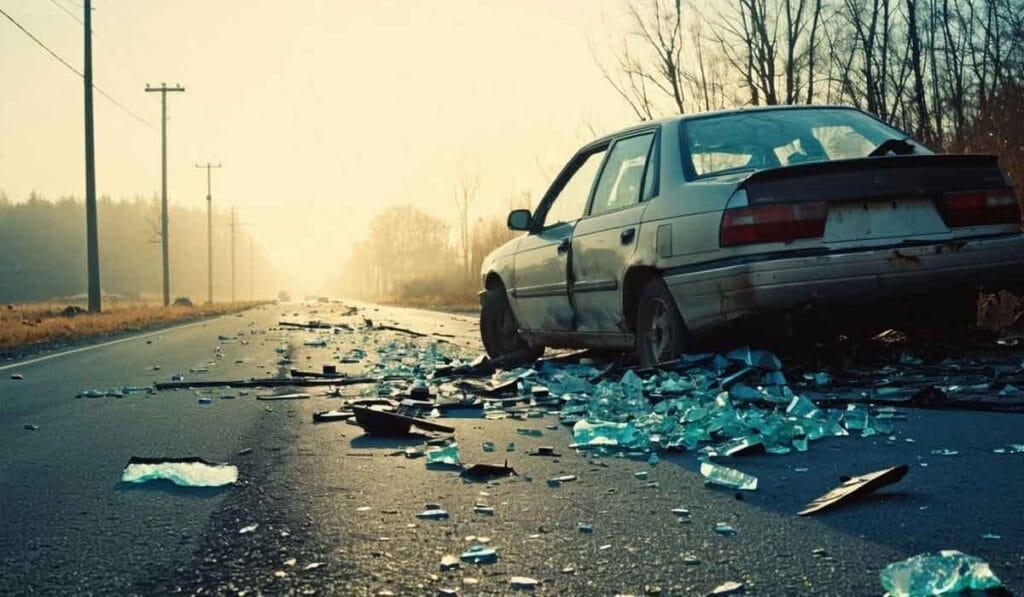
568	206
619	185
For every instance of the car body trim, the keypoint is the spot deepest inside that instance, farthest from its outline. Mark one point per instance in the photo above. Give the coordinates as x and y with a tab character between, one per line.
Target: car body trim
820	251
595	286
540	290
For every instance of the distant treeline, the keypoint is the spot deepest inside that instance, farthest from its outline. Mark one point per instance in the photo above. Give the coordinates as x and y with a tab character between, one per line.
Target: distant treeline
42	251
408	257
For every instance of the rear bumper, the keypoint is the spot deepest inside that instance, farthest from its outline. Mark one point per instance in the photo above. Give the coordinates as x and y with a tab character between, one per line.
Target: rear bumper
716	294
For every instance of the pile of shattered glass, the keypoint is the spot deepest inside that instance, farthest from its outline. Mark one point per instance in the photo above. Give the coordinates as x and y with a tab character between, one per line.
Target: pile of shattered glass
717	404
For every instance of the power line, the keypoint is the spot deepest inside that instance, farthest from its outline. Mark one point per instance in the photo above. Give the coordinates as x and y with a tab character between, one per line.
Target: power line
75	70
122	58
66	11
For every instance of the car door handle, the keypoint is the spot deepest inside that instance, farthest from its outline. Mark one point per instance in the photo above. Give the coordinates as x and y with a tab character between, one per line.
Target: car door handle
627	235
563	247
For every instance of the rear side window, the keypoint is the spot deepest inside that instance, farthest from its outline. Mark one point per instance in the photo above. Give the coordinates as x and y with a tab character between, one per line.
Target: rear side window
623	174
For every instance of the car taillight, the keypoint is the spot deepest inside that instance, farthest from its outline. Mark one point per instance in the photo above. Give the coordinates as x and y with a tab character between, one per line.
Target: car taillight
772	223
980	208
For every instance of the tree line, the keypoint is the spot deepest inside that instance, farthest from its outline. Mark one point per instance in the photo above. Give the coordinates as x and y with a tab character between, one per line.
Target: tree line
414	257
949	72
42	252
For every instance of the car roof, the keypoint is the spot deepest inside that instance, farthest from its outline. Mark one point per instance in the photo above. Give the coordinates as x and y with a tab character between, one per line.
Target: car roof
647	124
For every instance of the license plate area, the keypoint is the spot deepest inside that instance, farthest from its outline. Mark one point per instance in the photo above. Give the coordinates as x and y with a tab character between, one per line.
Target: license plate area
870	220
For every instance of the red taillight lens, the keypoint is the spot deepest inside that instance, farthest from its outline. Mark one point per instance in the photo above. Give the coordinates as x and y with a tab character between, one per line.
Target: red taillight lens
980	208
772	223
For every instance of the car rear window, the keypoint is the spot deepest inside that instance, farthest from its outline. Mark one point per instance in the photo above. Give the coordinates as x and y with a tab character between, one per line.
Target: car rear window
757	140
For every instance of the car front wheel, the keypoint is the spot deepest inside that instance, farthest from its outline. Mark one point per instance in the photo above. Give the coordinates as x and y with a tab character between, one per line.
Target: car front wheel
499	329
661	335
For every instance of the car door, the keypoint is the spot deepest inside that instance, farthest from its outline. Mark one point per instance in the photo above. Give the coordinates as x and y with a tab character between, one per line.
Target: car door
605	239
540	291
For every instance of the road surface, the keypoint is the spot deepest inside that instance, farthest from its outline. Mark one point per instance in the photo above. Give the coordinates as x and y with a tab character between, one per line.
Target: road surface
329	496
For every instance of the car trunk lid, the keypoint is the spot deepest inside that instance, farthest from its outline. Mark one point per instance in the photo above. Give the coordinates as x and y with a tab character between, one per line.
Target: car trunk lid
879	178
876	200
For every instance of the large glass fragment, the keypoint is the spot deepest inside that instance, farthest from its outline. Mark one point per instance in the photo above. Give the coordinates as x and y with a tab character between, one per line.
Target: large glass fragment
942	573
727	477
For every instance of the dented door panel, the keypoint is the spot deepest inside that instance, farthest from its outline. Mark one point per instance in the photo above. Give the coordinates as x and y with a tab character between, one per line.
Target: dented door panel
603	246
541	293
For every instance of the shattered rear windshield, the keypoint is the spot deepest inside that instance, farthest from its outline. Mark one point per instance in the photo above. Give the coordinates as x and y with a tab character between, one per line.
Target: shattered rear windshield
758	140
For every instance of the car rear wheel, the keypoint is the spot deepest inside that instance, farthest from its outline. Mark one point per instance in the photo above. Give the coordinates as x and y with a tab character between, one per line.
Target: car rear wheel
661	335
499	329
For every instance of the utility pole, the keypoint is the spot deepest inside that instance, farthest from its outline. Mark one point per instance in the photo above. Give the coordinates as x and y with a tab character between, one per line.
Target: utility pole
92	243
233	233
209	232
163	89
252	272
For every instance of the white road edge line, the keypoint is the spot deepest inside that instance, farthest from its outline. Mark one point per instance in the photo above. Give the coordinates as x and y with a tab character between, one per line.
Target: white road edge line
108	343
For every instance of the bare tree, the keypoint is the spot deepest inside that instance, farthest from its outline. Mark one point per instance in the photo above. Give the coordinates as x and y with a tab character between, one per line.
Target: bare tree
657	30
464	195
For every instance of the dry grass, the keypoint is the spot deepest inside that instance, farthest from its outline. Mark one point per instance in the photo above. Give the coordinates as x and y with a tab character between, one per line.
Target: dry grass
36	323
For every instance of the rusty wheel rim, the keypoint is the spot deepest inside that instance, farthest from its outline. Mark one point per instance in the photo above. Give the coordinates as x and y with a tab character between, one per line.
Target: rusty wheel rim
661	338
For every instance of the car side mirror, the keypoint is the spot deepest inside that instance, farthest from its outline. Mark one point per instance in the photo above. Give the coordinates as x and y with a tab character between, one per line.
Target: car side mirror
519	219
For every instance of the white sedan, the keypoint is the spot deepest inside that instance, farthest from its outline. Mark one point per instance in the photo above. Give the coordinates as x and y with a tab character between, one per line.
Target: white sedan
662	233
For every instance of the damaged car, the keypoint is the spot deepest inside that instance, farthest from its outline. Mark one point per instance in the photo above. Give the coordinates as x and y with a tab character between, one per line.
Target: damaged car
656	236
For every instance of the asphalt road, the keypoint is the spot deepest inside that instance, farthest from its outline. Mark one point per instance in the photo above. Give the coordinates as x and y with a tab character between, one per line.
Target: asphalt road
326	494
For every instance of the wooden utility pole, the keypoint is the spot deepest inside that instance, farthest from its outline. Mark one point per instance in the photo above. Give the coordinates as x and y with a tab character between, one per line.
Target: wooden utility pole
233	236
92	243
209	232
163	89
252	272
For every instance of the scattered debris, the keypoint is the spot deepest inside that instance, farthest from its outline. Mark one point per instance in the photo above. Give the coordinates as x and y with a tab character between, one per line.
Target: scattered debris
392	328
557	481
272	382
446	455
479	554
545	451
186	472
727	477
948	571
328	416
312	325
523	583
483	471
329	371
249	529
381	422
728	588
856	486
283	393
449	562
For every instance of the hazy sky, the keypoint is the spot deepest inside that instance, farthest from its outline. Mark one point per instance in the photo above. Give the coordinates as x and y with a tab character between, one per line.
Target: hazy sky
322	112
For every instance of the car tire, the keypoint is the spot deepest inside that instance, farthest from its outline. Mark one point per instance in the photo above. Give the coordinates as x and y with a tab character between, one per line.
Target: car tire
499	330
660	335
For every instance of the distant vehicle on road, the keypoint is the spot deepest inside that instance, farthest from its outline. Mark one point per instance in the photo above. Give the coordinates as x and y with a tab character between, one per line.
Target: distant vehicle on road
662	233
